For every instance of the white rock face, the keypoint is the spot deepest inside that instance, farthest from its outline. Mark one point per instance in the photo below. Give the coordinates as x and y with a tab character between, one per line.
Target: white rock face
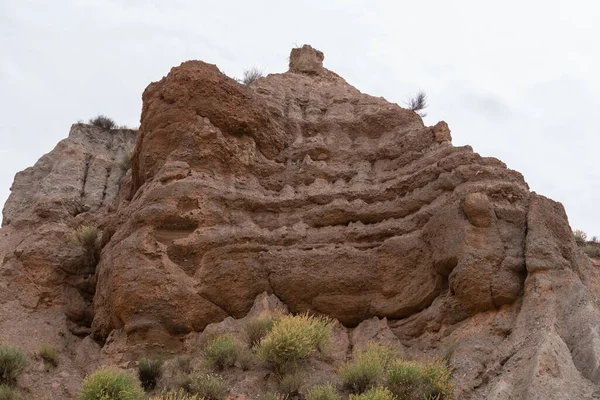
82	173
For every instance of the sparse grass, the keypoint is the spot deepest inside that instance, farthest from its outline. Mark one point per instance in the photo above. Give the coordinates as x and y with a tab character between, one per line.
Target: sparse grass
376	393
251	75
368	367
49	355
580	237
256	329
8	393
403	379
102	121
184	363
88	237
246	359
208	386
418	103
293	339
149	371
290	383
113	384
323	392
176	395
12	363
221	352
275	396
436	381
592	251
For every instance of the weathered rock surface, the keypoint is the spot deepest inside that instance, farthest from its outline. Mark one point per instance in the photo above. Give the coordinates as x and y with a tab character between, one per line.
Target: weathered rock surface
335	202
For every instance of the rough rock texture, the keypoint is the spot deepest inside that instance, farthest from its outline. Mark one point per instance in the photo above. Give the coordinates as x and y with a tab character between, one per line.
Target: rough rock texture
46	288
332	200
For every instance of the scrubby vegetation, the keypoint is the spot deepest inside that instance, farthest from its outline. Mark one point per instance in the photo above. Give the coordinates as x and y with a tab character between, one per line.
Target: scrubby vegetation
368	367
7	393
290	382
88	237
580	237
256	329
251	75
207	386
102	121
221	352
293	339
49	355
589	247
176	395
323	392
418	103
113	384
376	393
149	371
12	363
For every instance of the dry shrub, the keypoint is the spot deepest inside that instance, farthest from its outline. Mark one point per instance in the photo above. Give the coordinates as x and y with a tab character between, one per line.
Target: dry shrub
221	352
293	339
113	384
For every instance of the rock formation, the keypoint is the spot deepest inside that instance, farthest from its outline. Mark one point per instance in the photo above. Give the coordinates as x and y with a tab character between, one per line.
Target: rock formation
332	200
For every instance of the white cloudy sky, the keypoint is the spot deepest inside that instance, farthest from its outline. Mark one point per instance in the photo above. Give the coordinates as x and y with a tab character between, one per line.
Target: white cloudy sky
518	80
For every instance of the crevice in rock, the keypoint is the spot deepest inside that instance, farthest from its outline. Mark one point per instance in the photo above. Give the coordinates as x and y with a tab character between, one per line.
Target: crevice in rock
86	169
106	178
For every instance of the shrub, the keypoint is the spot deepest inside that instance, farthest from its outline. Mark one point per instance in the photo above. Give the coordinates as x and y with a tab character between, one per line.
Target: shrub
221	352
403	379
103	121
592	251
88	237
377	393
323	392
245	359
580	237
251	75
49	355
436	380
293	339
12	363
149	370
176	395
290	383
113	384
7	393
275	396
368	367
418	103
208	386
256	329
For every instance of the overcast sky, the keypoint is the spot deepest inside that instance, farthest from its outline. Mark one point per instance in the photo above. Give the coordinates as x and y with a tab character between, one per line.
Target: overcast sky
517	80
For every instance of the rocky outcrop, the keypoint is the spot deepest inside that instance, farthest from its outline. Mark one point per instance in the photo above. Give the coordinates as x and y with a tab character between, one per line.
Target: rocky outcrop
335	202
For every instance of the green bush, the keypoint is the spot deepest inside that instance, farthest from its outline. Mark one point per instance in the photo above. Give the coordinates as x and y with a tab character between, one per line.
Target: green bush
7	393
290	383
49	355
111	384
88	237
376	393
12	363
403	379
436	381
368	366
102	121
580	237
149	371
275	396
323	392
293	339
176	395
246	359
208	386
221	352
256	329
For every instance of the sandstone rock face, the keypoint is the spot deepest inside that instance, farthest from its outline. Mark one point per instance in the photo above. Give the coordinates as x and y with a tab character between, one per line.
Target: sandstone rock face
300	189
72	185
